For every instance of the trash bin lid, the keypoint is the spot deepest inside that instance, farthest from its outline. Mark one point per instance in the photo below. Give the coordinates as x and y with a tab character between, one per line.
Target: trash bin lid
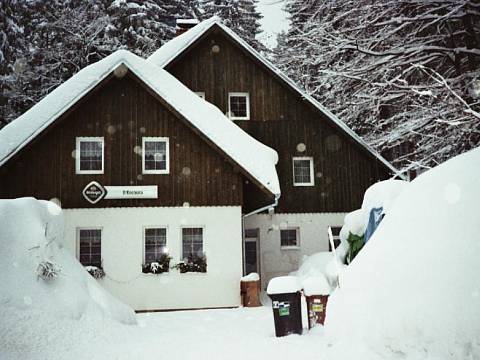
316	285
284	284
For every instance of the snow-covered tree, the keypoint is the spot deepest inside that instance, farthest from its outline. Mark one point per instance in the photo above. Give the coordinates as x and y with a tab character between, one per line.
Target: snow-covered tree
404	74
141	26
45	42
240	15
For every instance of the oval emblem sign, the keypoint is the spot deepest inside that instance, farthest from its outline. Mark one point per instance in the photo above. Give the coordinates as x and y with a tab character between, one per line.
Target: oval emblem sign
93	192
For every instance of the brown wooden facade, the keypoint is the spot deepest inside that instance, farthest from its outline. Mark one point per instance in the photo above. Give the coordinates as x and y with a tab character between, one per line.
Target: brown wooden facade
282	119
123	111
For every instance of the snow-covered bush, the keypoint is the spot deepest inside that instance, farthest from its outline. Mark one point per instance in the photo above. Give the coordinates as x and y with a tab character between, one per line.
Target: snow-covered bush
192	264
413	291
47	270
157	267
95	271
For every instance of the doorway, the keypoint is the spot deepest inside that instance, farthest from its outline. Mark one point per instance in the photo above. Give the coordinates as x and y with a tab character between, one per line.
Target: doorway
251	251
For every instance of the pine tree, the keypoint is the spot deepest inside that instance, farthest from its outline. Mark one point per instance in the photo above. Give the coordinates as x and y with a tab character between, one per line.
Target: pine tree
240	15
140	26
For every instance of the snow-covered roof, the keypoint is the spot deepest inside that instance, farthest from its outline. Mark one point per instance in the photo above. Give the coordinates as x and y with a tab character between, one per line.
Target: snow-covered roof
253	157
169	51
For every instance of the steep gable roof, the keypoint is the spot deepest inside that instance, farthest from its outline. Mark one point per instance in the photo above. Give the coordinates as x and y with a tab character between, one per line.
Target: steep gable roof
254	158
175	47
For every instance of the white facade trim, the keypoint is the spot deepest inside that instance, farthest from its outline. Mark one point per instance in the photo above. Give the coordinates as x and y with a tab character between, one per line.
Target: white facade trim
79	140
167	154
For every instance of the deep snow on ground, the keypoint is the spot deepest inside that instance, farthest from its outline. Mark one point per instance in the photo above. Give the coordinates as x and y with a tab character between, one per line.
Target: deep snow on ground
245	333
413	291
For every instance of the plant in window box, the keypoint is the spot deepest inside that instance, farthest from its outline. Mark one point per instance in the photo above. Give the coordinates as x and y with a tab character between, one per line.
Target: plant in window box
96	271
158	266
192	264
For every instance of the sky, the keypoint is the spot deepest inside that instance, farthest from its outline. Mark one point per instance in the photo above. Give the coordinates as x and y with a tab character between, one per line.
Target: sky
274	20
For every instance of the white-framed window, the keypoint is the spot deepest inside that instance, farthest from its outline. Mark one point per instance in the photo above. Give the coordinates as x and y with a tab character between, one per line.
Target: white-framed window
192	242
90	155
155	155
239	105
155	243
89	246
200	94
303	171
289	238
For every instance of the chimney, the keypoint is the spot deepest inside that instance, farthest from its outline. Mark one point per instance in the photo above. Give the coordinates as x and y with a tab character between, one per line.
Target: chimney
183	25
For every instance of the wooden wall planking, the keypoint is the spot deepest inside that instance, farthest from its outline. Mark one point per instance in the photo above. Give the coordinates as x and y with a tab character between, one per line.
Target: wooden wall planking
281	118
122	112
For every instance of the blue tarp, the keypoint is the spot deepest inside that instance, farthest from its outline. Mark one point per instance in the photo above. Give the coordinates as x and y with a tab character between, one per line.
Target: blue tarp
375	218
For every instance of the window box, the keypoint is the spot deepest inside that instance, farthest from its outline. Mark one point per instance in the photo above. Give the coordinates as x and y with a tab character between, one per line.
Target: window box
95	271
303	171
239	106
192	264
159	266
155	155
89	155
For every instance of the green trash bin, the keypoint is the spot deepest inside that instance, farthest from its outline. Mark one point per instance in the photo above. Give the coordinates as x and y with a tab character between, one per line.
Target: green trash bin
285	292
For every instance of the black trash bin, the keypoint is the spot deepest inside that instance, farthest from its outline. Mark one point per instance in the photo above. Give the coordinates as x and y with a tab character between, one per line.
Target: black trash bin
286	296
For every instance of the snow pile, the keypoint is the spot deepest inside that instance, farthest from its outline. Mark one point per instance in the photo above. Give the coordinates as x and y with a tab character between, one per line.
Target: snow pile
284	284
29	233
381	194
250	277
316	285
414	290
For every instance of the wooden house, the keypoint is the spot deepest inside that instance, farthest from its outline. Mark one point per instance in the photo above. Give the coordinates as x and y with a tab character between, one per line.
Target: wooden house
324	167
149	176
166	169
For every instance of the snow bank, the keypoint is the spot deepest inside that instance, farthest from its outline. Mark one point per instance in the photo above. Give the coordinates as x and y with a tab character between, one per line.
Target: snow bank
414	290
381	194
29	233
250	277
313	265
284	284
316	285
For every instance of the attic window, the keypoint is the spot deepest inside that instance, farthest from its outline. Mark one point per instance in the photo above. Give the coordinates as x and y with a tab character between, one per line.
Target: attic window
89	155
303	171
155	158
239	106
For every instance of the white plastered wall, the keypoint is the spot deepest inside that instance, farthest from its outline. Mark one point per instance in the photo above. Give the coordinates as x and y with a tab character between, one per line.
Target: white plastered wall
122	254
313	238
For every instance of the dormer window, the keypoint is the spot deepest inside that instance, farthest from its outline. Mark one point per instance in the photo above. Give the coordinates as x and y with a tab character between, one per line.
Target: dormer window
89	157
155	155
239	106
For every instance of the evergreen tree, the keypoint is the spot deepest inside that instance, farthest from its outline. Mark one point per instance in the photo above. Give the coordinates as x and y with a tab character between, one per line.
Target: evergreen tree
141	26
239	15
